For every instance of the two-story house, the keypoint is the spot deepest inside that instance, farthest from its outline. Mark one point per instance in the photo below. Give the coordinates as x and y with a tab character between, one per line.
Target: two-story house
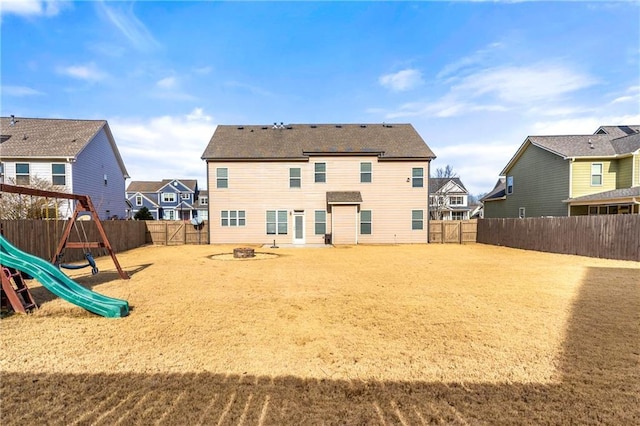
75	156
571	175
318	183
169	199
448	199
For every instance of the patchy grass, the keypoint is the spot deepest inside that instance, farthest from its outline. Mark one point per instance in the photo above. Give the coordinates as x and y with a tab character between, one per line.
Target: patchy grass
365	334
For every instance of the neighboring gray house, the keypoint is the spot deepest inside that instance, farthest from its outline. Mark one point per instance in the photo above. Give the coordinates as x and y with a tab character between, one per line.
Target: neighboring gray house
169	199
78	156
448	199
202	204
569	175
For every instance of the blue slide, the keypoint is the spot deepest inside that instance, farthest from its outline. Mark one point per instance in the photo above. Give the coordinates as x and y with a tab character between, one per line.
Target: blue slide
60	284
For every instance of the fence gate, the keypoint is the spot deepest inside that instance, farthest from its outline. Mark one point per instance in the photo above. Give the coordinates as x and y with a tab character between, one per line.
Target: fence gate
176	233
451	231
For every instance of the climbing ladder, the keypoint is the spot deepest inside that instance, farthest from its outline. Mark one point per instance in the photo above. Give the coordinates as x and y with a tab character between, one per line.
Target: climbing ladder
16	292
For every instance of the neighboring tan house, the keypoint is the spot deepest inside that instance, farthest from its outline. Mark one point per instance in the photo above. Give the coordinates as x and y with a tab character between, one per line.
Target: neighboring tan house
76	156
169	199
318	183
448	199
571	175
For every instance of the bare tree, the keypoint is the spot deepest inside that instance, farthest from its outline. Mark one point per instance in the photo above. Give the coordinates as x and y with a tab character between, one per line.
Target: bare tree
447	172
17	206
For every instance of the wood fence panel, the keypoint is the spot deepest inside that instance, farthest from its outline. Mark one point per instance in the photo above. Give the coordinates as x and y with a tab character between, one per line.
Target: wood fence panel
167	232
41	237
604	236
452	231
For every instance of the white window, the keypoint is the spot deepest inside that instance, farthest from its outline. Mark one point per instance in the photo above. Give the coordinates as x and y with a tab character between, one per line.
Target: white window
185	196
169	214
295	179
457	215
509	185
168	197
365	172
58	175
138	200
417	177
456	200
233	218
320	172
222	177
22	174
417	219
521	213
321	222
277	222
365	222
596	174
204	201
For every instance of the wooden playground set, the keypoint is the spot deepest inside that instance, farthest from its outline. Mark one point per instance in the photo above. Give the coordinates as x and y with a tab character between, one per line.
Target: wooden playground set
18	266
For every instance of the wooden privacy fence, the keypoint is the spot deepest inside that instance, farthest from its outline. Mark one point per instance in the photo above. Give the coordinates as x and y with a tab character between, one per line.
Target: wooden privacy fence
452	231
41	237
172	233
604	236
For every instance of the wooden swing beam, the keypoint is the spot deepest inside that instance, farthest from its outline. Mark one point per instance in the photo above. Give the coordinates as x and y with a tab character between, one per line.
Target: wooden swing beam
83	204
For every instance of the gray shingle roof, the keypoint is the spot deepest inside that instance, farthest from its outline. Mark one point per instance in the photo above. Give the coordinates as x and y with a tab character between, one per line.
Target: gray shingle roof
39	137
341	197
618	131
609	195
297	141
498	191
436	183
154	186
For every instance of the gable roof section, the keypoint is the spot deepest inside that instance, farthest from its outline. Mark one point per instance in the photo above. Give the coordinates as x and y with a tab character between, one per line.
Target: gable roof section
52	138
299	141
135	194
621	142
156	186
498	192
436	184
623	194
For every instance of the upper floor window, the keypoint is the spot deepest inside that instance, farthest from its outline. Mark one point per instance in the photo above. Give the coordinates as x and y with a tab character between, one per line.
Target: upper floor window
596	174
509	185
320	172
321	222
456	200
138	200
185	196
22	174
168	197
204	201
417	219
222	177
58	175
417	177
365	172
365	222
295	178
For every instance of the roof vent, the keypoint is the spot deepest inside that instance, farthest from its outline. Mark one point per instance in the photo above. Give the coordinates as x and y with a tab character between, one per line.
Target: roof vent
363	126
13	120
275	125
313	126
264	127
591	144
240	127
339	126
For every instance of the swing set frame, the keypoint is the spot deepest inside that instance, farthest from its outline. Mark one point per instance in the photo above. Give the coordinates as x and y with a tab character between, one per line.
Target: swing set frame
83	205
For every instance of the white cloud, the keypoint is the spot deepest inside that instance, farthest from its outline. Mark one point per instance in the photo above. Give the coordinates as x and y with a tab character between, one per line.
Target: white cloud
402	80
20	91
32	7
468	61
87	72
164	147
582	125
127	23
167	83
524	85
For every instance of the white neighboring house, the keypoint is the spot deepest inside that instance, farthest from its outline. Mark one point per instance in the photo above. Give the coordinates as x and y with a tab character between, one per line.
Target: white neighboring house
448	199
76	156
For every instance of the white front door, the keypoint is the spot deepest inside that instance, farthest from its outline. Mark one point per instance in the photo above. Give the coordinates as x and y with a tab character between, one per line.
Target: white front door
298	227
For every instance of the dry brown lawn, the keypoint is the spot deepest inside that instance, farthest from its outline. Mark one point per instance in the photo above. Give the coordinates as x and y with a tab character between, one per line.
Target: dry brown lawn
413	334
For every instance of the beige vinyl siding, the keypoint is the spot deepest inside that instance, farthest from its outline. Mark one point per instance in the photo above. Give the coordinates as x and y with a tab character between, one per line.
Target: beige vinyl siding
344	224
256	187
636	170
582	177
625	173
540	183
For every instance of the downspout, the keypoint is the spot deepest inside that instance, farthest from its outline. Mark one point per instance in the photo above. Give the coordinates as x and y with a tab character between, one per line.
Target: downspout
571	160
428	212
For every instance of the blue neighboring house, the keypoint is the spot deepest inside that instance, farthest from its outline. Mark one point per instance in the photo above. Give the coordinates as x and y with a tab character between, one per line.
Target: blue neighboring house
169	199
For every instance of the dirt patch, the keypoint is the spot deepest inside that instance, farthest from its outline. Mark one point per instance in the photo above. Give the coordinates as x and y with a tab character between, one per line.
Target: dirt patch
389	334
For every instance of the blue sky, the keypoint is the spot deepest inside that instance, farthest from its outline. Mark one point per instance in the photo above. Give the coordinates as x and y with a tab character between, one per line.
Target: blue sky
474	78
